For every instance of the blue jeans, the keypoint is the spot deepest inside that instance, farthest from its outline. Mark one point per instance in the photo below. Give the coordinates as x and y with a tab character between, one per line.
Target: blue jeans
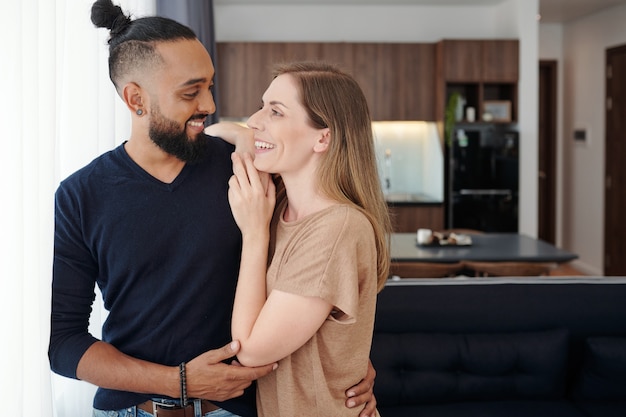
134	412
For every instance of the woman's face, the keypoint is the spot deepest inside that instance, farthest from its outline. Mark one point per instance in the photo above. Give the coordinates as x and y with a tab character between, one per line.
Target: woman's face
285	139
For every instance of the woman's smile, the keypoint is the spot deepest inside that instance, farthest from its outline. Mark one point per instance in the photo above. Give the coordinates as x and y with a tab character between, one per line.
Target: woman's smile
262	145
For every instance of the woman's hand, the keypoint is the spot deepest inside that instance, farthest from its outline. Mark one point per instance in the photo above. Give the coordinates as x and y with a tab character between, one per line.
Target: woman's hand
235	134
252	196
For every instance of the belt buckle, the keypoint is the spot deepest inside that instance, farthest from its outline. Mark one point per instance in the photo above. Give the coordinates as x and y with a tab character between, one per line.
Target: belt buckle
156	404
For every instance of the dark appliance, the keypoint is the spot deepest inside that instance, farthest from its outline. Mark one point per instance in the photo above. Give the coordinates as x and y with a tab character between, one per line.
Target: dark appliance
483	178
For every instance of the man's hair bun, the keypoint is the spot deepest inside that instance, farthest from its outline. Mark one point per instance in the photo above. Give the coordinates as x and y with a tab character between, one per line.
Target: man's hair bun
104	14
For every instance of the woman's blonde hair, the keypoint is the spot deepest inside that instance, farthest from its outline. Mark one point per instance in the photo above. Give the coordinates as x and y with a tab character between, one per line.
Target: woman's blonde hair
348	172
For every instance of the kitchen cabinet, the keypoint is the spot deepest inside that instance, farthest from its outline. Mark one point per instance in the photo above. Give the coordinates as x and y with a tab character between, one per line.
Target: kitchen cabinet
479	71
500	61
460	60
407	218
243	72
494	60
484	74
396	78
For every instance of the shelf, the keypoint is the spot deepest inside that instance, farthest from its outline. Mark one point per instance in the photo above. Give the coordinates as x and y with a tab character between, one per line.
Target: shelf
476	94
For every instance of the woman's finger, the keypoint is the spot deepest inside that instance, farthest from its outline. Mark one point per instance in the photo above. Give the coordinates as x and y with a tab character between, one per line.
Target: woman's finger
239	169
253	174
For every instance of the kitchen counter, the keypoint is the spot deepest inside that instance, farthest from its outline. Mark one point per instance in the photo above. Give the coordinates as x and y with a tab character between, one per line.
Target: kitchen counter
410	199
410	212
487	247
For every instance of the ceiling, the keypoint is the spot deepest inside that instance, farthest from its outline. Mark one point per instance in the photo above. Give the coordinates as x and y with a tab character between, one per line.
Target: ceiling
551	11
559	11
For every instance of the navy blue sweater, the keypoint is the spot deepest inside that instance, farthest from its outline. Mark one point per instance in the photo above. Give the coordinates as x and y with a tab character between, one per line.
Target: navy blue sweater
165	257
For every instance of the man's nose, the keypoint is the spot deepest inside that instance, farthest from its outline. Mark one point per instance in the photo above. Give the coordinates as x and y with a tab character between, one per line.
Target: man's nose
207	103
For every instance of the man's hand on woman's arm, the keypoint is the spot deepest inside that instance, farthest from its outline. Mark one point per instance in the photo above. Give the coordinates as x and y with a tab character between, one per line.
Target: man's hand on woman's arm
363	394
208	376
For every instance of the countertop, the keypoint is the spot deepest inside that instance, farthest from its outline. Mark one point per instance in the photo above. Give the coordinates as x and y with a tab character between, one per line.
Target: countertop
412	199
491	247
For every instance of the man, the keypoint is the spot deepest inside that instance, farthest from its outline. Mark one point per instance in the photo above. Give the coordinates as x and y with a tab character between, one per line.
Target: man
149	222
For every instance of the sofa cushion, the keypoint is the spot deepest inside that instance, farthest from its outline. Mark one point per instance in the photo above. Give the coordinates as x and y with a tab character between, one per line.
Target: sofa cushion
603	373
422	368
601	408
520	408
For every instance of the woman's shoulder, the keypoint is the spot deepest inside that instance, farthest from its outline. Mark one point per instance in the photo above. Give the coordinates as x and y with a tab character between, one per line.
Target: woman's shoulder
342	218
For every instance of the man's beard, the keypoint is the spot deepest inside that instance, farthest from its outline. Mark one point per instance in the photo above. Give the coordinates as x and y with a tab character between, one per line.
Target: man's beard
171	138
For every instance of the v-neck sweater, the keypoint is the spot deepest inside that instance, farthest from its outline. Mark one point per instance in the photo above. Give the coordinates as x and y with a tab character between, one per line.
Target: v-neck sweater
165	257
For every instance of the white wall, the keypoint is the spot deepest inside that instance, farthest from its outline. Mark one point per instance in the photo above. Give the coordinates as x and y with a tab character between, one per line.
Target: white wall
551	48
583	62
335	23
352	23
526	20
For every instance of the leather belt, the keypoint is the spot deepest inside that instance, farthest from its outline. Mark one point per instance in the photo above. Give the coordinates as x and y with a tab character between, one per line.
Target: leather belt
168	410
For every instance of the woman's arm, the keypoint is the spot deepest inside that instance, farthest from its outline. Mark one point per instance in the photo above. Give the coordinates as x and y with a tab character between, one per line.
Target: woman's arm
263	339
260	322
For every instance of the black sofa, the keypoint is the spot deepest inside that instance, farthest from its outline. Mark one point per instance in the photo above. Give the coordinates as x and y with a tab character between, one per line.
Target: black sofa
501	347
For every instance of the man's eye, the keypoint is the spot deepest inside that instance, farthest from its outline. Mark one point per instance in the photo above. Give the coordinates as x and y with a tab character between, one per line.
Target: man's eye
191	95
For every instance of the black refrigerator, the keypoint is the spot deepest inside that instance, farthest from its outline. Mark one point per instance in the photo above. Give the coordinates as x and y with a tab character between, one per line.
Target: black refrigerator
483	178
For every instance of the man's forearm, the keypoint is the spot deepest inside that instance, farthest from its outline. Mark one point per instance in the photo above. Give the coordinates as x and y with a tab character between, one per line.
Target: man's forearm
105	366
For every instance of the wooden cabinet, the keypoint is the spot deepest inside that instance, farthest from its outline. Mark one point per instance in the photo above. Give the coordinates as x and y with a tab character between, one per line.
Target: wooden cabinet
409	218
244	70
494	60
460	60
480	71
500	61
397	79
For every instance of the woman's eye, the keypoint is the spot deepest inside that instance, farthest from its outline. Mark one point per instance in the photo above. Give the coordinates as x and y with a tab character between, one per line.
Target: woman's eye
275	113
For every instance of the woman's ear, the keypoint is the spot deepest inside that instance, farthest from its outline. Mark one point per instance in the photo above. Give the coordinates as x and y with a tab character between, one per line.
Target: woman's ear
321	145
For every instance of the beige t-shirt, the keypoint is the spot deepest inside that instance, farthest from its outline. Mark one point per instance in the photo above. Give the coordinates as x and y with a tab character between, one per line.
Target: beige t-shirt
330	254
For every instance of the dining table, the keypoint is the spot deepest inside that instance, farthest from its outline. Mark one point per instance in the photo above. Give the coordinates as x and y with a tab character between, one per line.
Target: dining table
484	247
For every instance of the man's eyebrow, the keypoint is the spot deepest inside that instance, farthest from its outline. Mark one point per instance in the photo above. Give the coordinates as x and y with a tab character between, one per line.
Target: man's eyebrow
193	81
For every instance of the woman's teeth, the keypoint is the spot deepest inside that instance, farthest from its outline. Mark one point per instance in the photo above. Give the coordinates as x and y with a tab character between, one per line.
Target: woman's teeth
263	145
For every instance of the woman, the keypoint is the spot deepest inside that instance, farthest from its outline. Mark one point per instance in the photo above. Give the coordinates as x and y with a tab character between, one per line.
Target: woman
311	305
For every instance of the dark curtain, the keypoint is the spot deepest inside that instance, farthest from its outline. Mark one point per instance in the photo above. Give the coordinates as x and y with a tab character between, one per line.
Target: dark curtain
199	16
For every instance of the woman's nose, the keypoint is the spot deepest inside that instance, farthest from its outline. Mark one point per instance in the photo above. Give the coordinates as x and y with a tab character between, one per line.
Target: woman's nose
253	120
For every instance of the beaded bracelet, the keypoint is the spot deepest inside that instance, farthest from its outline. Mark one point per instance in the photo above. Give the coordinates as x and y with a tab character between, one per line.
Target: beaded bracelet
183	384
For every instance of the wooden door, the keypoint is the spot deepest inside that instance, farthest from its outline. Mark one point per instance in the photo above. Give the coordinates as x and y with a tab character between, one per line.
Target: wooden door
615	148
547	150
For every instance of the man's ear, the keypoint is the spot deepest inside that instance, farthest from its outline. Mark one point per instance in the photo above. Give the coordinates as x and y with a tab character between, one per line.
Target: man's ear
132	95
322	144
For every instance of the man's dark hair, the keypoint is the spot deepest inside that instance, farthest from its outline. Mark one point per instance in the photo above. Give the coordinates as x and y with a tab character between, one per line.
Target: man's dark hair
132	42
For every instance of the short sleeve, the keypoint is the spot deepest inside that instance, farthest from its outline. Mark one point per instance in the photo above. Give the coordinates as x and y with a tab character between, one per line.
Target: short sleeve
331	257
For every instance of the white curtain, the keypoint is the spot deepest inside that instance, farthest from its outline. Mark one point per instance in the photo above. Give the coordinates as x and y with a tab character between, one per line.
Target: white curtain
58	110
